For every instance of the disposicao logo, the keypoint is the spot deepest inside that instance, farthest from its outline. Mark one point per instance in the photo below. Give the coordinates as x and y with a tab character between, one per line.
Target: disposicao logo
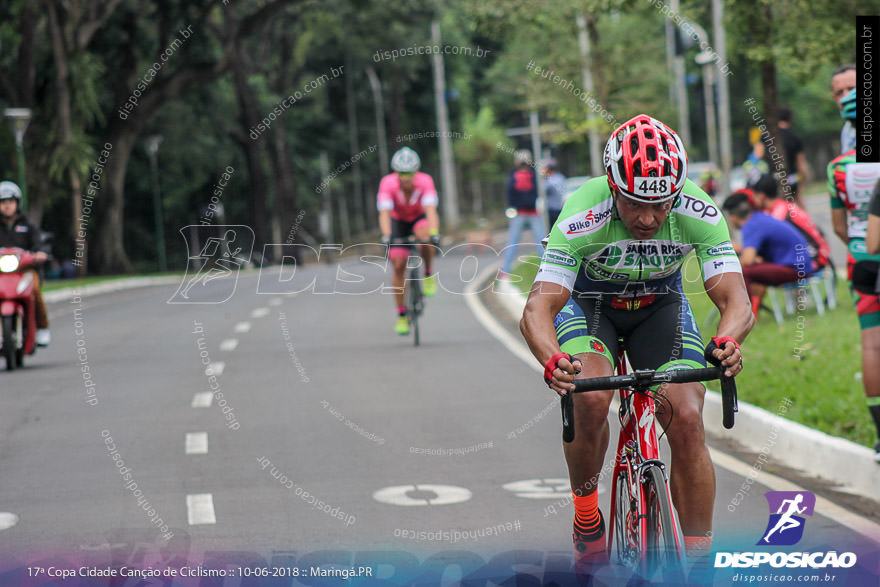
785	527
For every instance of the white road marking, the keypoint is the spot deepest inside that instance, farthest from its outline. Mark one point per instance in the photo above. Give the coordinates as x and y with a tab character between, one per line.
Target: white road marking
202	399
7	520
543	488
196	443
200	509
242	327
260	312
853	521
495	329
276	302
846	518
215	368
229	344
398	495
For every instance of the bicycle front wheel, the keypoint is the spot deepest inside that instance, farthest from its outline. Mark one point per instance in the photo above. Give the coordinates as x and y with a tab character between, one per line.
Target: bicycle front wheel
415	308
626	527
662	550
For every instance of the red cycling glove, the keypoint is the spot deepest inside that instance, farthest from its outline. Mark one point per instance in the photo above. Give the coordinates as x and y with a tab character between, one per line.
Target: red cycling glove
553	362
718	342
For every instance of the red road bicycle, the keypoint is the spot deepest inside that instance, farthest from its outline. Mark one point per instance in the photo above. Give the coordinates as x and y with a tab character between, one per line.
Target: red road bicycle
643	532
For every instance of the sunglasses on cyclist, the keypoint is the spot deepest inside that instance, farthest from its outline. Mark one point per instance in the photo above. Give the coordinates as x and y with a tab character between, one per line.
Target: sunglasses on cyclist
407	175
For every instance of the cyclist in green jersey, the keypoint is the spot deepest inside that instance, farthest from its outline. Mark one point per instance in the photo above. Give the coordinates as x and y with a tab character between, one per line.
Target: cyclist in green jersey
612	270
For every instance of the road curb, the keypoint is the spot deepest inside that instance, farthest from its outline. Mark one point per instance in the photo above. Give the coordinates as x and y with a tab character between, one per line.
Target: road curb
66	293
847	464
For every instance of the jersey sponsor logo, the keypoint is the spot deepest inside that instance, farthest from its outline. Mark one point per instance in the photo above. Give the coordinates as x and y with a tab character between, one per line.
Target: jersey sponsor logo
21	228
724	265
559	258
603	273
721	250
554	274
642	254
699	209
597	346
586	222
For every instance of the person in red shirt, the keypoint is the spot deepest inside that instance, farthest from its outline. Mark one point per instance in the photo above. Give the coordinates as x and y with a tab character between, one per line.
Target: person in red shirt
522	196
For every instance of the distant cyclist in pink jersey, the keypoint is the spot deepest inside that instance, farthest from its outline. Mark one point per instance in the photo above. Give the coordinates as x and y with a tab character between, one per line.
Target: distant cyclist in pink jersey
407	203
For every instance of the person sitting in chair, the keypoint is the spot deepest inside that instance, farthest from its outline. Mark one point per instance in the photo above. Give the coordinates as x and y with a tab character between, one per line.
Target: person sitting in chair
772	252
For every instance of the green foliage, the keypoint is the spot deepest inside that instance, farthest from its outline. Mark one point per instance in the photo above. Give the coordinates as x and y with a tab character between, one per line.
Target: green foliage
486	95
481	149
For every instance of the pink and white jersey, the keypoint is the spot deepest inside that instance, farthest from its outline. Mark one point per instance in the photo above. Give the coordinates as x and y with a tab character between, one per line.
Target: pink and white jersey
391	197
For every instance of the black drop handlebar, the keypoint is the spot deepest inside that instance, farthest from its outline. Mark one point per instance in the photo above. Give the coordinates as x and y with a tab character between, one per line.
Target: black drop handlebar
641	380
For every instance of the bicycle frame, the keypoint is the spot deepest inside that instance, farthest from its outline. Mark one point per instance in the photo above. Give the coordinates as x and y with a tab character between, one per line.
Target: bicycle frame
413	297
637	463
637	447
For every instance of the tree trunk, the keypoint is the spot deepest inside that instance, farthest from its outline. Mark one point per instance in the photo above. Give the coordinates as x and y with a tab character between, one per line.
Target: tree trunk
108	254
354	147
259	185
775	155
65	133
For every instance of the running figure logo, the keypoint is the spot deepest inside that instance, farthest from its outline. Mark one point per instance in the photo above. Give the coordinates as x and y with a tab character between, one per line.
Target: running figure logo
786	526
222	251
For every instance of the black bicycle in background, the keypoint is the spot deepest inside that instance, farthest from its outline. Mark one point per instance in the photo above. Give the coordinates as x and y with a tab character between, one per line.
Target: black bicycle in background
413	297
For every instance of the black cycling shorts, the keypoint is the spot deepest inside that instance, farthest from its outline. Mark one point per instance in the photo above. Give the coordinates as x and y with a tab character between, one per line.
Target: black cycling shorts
658	332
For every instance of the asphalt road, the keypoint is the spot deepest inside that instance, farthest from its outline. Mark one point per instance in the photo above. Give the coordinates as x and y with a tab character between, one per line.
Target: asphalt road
339	438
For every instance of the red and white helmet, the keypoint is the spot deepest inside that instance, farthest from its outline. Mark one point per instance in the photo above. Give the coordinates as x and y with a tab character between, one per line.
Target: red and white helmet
645	160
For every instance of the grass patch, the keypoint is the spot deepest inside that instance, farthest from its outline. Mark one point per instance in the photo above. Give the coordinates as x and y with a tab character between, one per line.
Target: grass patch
821	383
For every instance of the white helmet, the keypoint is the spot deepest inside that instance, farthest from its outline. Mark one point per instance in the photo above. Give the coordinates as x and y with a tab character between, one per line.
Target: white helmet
406	161
522	157
9	189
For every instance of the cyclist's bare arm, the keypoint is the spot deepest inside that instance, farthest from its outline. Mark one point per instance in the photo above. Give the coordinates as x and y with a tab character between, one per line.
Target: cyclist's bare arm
872	238
728	292
838	222
433	219
748	256
385	221
545	301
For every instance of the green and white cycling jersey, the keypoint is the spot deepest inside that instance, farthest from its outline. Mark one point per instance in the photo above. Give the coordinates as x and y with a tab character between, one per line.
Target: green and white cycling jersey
591	251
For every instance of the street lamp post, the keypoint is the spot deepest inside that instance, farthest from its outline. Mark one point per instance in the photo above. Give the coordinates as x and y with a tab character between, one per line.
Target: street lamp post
19	118
152	146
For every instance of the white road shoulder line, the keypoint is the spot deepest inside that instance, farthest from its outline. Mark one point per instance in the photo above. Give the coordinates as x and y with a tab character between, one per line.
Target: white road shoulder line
7	520
215	368
196	443
200	509
489	323
202	399
229	344
846	518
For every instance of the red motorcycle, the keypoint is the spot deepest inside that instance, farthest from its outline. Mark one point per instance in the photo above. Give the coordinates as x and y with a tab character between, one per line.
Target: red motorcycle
17	305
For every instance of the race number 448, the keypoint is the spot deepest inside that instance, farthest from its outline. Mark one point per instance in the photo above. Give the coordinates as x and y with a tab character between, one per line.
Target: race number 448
652	186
